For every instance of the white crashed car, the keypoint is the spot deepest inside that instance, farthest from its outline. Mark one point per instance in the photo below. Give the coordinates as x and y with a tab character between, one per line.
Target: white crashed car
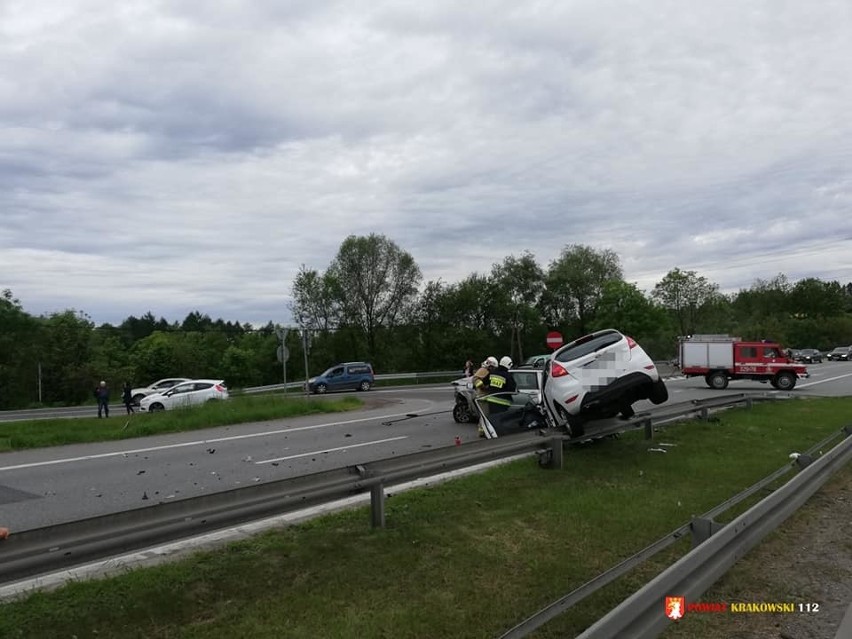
599	376
186	394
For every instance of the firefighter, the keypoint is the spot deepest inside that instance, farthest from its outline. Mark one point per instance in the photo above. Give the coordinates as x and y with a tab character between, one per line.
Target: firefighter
481	376
481	385
501	385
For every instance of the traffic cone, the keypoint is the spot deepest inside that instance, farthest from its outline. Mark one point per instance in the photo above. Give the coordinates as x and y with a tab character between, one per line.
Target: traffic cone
4	533
458	440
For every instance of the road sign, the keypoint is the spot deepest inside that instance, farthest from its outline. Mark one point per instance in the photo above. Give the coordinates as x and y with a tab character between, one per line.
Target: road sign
283	354
554	340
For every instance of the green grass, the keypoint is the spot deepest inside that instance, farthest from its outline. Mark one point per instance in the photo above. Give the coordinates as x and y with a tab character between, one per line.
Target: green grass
469	558
237	410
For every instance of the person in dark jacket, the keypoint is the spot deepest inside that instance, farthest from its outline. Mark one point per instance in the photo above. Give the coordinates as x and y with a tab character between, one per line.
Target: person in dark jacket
102	395
127	397
501	384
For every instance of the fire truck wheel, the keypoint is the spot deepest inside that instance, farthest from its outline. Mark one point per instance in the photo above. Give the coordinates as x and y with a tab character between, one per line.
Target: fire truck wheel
717	380
785	381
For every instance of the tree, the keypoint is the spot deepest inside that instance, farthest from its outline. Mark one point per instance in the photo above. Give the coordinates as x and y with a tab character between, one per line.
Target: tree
812	297
521	281
375	283
18	364
575	283
685	293
315	303
64	352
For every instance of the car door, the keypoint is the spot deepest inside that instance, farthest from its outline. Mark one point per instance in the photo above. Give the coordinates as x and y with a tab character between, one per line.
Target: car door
336	378
179	396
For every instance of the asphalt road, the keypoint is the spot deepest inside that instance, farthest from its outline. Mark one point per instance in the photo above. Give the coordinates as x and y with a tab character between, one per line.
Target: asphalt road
54	485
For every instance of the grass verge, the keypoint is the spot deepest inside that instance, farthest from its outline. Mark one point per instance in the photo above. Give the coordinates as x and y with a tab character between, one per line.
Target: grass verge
469	558
237	410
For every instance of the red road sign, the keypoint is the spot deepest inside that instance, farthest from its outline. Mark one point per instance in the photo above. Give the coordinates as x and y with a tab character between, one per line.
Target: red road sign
554	340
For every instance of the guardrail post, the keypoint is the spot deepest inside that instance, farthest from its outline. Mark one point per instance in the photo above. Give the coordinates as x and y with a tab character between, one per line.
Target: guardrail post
649	428
749	403
702	529
557	457
704	414
377	506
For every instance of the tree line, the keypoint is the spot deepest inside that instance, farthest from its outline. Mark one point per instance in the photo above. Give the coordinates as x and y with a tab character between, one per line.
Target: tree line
370	303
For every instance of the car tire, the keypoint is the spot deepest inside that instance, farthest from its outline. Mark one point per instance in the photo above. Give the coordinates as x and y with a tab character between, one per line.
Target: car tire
658	394
364	386
717	380
461	413
156	408
785	381
138	398
321	389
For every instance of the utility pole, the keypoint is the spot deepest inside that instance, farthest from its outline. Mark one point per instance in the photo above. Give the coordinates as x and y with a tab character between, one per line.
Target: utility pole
305	341
283	353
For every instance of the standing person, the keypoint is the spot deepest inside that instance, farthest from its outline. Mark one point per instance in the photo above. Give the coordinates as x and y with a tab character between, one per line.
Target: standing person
102	395
127	397
468	368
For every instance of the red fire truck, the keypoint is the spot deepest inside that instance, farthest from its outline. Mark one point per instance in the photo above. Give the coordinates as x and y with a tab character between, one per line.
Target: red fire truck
721	358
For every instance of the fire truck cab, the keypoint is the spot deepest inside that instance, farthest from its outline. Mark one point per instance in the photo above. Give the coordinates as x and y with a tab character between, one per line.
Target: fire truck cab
721	358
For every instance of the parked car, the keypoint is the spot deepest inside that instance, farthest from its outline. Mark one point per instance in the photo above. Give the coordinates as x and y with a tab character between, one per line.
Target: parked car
841	353
185	394
808	356
159	386
346	376
599	376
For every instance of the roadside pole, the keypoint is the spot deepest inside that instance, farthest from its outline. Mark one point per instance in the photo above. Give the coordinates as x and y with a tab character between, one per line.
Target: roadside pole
283	353
305	352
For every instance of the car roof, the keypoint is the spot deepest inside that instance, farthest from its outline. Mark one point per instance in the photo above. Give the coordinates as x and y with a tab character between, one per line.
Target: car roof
203	381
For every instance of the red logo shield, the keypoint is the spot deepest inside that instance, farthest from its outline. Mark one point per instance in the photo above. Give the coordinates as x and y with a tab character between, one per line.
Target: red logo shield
675	607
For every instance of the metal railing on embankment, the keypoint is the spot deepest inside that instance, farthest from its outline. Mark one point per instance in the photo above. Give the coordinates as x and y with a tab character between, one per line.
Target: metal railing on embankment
716	547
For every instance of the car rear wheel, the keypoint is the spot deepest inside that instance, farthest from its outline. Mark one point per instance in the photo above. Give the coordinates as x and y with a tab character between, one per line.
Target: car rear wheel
717	380
658	393
321	389
365	386
785	381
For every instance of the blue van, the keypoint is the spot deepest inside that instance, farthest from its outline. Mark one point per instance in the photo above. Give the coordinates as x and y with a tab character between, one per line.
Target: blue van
346	376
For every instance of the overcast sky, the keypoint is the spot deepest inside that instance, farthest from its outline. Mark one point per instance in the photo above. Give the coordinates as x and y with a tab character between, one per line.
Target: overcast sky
181	155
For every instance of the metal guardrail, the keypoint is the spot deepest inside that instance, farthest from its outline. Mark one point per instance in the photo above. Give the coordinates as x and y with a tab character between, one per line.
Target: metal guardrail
641	616
28	553
32	552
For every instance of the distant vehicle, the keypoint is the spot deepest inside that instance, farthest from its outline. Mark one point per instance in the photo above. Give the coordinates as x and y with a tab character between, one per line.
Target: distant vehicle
536	361
841	353
721	358
159	386
184	395
346	376
808	356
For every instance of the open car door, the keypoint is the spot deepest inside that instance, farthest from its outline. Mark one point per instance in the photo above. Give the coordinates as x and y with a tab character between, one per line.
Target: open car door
525	412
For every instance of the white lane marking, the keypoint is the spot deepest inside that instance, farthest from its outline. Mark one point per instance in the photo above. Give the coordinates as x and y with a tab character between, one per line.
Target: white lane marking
331	450
199	442
823	381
